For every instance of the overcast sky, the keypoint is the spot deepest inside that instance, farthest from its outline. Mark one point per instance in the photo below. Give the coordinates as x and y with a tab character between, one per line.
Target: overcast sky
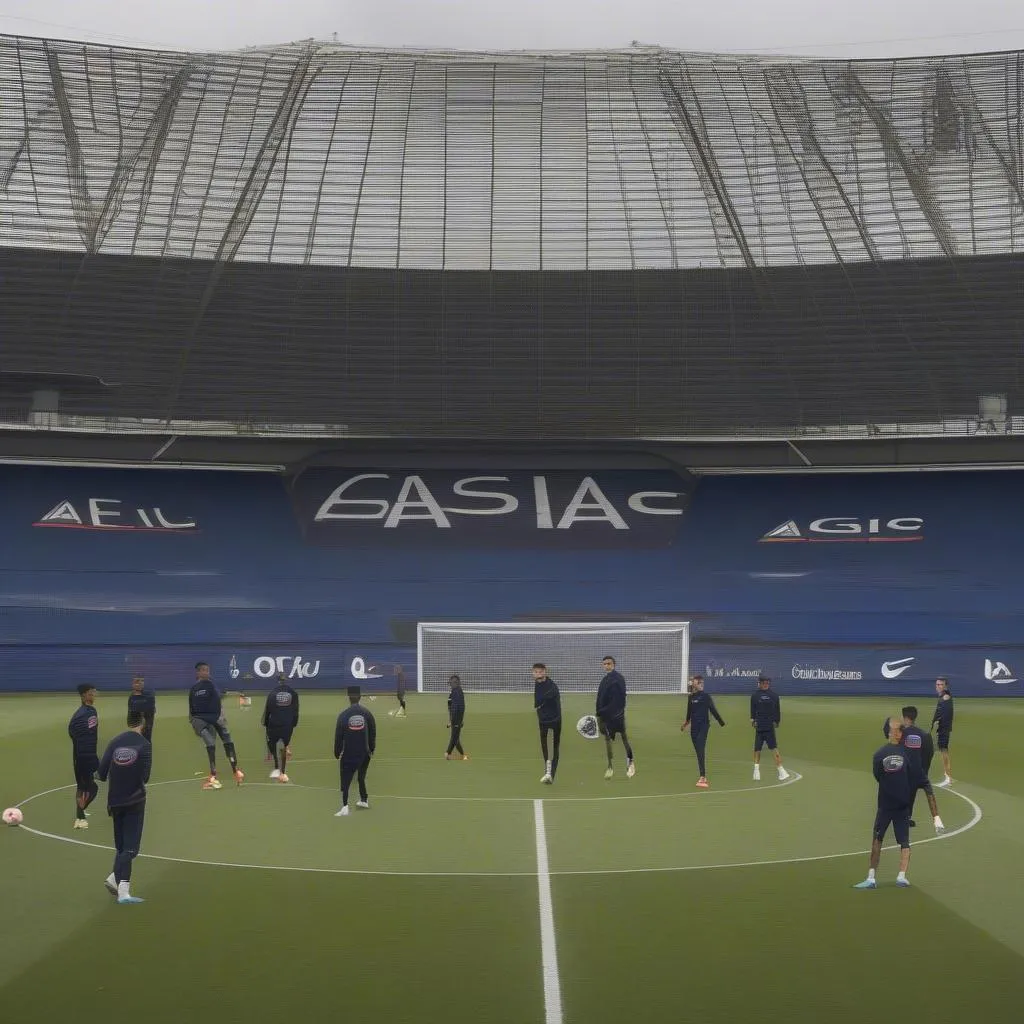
834	28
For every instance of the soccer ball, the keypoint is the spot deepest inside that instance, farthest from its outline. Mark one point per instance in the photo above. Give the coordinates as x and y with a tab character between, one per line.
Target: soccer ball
13	816
587	727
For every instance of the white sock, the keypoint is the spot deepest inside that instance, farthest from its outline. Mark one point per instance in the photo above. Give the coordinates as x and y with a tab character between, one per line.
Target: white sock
871	874
547	767
122	890
901	877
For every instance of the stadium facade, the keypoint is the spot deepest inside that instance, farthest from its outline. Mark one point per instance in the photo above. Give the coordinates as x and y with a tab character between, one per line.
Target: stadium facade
620	273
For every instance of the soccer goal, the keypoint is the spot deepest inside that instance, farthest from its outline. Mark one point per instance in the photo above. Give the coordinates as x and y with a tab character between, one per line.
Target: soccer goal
496	656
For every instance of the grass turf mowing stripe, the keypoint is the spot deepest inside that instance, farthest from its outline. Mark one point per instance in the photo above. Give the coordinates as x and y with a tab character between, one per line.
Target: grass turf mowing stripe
548	946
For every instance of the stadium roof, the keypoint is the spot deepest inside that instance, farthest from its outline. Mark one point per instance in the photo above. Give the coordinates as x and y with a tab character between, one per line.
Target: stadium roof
324	245
642	158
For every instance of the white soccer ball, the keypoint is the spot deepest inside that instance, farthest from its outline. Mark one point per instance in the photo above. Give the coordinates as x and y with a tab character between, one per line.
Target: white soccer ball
13	816
587	727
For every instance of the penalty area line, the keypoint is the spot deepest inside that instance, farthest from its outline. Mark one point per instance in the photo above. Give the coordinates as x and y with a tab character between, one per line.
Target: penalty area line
548	946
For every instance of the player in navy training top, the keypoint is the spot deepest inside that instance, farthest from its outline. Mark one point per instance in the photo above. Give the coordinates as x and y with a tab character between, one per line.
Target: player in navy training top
765	717
280	718
83	730
943	718
208	722
700	707
456	719
898	777
919	747
143	701
355	740
125	768
610	709
547	702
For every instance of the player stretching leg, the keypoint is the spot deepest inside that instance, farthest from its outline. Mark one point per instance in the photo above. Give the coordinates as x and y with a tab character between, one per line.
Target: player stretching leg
611	715
206	716
280	718
765	716
547	702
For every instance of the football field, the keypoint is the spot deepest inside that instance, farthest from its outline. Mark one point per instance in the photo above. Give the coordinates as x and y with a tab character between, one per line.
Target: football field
470	892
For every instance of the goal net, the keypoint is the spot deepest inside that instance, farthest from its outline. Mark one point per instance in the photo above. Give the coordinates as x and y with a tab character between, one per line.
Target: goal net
497	656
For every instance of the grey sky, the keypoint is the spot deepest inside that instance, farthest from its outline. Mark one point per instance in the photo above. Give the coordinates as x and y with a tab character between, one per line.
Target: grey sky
805	27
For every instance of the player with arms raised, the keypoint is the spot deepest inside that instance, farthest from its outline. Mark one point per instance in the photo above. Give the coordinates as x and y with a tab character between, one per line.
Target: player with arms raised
611	715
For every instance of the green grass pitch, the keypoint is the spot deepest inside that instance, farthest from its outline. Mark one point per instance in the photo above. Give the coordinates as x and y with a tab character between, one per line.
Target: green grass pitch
669	903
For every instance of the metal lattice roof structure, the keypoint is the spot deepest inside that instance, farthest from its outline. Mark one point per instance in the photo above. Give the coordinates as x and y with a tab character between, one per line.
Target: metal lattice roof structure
643	158
318	244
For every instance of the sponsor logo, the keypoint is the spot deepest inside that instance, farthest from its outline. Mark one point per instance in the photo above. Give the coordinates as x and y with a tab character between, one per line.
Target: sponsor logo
894	669
357	499
816	672
113	514
730	672
357	723
893	763
125	757
912	741
283	699
999	672
233	669
846	530
92	722
360	670
266	667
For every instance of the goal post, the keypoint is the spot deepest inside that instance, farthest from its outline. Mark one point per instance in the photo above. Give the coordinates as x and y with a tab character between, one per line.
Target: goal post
496	657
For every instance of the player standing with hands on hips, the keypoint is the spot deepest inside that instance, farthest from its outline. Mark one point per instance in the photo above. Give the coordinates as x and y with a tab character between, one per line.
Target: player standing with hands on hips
943	717
699	708
125	768
611	714
355	740
898	777
765	716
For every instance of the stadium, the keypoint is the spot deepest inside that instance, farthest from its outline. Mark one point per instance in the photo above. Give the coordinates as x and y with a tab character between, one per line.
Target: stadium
361	368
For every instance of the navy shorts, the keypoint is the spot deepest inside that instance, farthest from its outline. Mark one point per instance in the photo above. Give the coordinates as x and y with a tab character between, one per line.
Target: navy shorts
612	727
85	770
900	821
275	736
765	738
942	740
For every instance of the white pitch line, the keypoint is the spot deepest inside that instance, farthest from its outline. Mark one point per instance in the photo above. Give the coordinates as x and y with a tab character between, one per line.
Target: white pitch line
548	946
670	869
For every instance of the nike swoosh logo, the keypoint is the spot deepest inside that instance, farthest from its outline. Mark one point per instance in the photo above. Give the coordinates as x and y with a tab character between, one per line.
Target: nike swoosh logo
894	669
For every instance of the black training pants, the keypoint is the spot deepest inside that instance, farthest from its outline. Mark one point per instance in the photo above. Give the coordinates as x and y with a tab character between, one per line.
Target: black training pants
128	822
555	728
455	743
699	737
357	769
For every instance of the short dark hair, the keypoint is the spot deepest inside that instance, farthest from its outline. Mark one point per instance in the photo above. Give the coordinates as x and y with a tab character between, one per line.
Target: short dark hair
698	677
454	679
202	664
764	679
135	719
354	693
910	712
84	688
608	657
540	665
